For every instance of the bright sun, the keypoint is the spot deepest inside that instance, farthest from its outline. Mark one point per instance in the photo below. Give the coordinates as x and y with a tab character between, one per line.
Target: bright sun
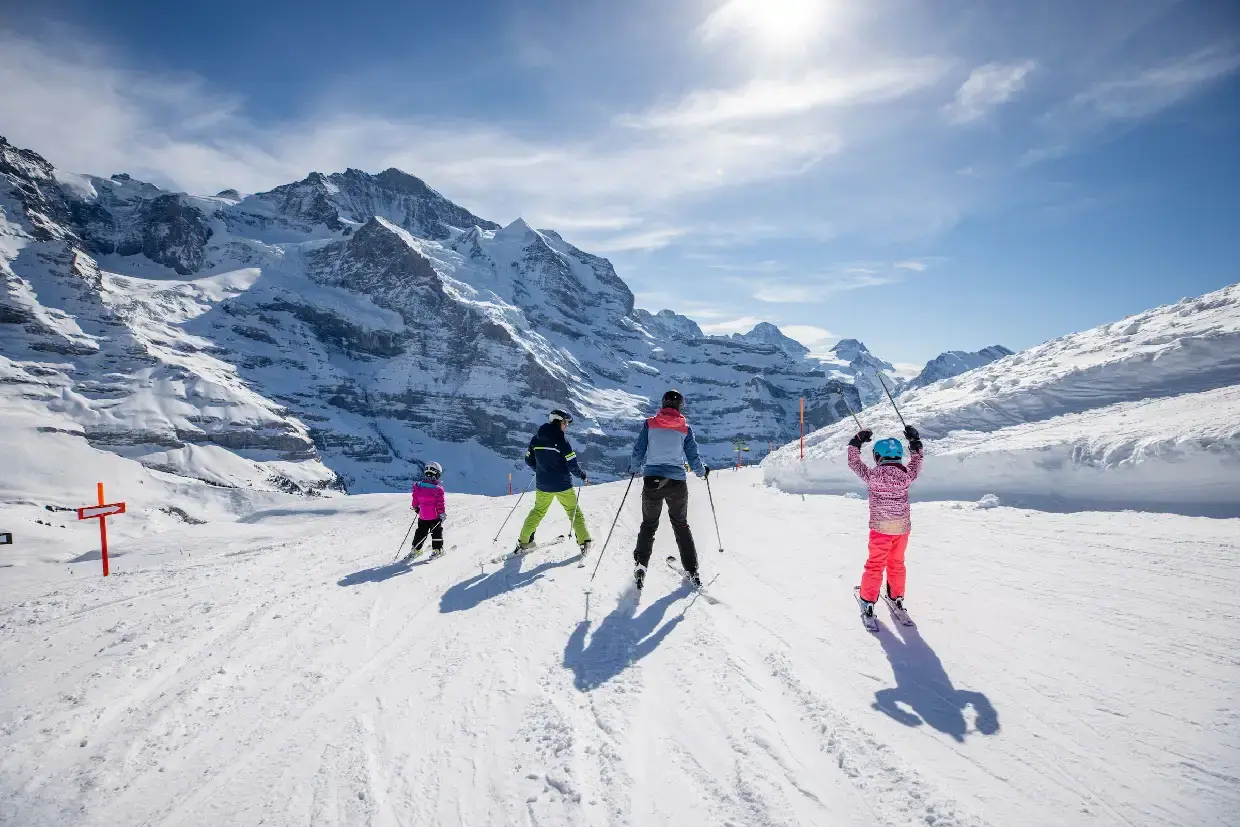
769	25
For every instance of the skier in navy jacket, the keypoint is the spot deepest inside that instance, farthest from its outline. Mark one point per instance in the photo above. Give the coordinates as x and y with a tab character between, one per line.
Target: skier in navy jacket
553	460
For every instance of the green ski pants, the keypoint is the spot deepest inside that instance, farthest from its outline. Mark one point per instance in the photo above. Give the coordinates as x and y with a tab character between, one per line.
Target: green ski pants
542	502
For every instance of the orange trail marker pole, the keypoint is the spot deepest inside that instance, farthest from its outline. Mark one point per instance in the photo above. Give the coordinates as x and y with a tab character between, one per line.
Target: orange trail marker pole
802	427
100	512
510	483
103	533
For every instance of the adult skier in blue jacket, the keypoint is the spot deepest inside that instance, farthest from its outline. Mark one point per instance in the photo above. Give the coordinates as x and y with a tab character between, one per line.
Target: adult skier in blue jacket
664	447
553	460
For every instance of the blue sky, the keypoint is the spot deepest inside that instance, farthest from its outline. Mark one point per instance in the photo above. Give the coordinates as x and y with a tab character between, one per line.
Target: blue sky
920	174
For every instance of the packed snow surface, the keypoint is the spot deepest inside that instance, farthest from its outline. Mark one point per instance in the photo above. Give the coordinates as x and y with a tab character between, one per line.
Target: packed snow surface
1143	413
1066	669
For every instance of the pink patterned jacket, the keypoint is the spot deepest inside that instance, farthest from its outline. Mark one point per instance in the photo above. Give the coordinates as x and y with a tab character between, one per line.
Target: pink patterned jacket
888	484
428	499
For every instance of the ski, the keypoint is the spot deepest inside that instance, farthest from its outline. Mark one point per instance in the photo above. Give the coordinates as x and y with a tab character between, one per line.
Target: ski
418	552
869	621
899	614
674	565
521	552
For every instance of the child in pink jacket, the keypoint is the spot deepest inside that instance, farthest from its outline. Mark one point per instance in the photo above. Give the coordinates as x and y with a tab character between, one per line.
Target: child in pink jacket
890	523
428	501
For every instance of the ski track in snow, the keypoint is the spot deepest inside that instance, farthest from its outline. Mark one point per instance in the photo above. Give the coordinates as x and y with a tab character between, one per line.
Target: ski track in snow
283	671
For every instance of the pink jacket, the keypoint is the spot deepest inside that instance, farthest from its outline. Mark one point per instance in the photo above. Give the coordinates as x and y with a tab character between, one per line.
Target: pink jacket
428	499
888	484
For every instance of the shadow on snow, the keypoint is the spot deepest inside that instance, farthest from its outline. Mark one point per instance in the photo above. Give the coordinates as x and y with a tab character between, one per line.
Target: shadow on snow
470	593
621	639
377	574
922	686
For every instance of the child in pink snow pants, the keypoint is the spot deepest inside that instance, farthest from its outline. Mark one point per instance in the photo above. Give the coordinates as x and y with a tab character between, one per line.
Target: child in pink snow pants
890	524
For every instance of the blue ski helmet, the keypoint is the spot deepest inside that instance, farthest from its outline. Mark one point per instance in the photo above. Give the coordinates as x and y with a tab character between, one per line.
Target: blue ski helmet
888	450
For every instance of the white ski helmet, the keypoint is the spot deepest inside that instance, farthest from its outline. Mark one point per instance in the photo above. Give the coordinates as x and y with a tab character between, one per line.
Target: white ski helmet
560	416
433	470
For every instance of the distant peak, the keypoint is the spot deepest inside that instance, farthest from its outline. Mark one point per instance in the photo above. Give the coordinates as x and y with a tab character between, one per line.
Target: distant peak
854	345
517	228
400	181
229	193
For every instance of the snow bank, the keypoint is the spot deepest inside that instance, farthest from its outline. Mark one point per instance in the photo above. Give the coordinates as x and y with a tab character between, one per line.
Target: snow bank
1143	413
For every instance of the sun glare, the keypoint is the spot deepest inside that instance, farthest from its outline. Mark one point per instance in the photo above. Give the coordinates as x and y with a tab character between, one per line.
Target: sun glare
769	25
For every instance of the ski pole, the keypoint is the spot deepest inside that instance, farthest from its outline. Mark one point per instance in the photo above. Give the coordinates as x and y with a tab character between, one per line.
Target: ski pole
718	538
510	513
889	396
851	411
402	542
613	525
572	521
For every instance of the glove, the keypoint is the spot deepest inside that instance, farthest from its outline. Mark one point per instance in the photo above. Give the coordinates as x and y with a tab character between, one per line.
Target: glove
584	479
442	518
705	471
911	433
861	438
914	445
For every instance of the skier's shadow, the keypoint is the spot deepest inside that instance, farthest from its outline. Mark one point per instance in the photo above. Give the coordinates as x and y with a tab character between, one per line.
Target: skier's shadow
922	685
471	593
375	575
621	639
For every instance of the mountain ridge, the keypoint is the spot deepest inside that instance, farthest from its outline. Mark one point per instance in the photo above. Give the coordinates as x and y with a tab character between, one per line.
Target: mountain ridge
341	330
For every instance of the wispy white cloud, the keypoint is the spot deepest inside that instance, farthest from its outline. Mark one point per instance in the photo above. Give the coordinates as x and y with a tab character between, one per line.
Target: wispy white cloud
652	239
818	339
764	99
744	324
815	288
1145	92
987	87
1117	103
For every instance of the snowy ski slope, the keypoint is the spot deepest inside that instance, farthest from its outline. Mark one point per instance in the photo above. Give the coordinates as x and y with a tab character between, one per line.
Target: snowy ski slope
1142	413
1067	669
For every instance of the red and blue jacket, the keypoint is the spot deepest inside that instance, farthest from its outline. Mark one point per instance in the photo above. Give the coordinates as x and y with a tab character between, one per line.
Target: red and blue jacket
664	445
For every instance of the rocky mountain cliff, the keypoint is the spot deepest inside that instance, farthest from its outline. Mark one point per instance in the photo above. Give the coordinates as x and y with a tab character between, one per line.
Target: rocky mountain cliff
339	331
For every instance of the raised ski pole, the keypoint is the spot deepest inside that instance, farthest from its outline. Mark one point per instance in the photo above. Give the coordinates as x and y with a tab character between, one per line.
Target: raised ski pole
510	513
613	527
890	397
851	411
718	537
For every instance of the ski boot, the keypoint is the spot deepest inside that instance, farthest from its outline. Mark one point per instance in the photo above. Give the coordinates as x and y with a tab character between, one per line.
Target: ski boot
694	579
436	554
585	547
639	575
897	602
414	554
523	548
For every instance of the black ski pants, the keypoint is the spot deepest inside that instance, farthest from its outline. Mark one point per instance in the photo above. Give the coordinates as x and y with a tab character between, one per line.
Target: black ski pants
431	527
655	490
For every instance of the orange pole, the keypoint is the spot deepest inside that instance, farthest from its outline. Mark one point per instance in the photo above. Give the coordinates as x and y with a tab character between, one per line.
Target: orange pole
103	532
802	427
510	482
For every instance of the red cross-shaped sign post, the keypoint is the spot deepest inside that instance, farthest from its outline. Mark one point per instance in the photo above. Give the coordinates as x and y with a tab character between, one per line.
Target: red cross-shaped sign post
101	513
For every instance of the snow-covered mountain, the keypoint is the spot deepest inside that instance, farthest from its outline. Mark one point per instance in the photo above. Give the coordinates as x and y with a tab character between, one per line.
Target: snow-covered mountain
1141	413
953	363
765	333
339	331
851	361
